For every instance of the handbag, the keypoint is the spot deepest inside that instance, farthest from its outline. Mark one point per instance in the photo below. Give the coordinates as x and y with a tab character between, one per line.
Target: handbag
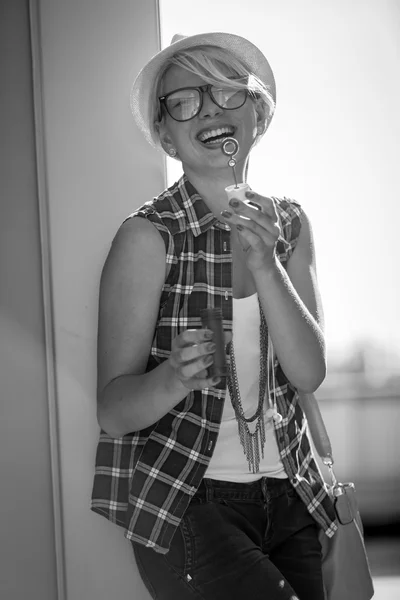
345	567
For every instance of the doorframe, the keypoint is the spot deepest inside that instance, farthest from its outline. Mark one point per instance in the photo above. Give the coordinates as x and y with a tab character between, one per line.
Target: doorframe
47	289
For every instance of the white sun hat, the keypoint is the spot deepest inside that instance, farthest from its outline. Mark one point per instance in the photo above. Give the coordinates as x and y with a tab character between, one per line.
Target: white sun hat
144	85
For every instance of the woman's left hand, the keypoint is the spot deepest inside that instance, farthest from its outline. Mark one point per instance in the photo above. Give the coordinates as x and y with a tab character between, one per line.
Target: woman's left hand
259	233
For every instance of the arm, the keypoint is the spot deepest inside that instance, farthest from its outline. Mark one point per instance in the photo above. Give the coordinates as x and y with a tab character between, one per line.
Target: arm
128	399
293	310
290	299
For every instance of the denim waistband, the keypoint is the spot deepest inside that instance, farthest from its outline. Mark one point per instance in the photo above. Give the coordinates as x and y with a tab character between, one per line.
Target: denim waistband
262	489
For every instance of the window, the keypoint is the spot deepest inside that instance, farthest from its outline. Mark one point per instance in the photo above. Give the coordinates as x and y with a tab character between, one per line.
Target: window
334	145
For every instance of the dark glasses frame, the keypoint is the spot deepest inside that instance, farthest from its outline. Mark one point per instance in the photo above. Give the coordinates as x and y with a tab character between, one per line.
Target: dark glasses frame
202	90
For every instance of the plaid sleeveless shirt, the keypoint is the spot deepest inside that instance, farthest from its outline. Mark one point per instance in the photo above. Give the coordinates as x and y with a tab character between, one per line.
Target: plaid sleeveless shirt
145	480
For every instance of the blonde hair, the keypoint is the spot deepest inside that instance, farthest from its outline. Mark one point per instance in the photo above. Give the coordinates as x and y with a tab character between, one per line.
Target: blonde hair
216	66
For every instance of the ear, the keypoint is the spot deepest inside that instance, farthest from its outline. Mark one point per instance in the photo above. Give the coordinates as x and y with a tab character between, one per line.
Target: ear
164	137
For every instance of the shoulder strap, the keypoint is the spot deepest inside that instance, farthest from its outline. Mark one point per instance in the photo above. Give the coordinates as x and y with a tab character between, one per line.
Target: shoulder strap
316	425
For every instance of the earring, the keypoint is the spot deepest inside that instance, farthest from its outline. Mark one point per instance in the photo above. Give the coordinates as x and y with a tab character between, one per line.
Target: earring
260	129
172	152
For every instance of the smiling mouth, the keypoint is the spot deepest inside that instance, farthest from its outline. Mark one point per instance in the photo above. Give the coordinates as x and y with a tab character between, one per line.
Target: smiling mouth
215	137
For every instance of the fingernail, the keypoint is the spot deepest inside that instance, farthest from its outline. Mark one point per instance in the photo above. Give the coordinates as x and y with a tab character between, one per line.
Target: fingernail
226	214
211	347
249	195
234	203
257	206
216	380
208	334
240	227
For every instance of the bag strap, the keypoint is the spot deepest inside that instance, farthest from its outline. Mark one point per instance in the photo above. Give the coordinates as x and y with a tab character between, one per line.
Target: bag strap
317	428
319	434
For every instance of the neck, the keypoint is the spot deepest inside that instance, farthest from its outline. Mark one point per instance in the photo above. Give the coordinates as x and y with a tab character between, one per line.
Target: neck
211	184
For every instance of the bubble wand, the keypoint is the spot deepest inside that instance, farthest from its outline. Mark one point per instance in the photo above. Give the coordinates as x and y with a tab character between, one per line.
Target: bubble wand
230	148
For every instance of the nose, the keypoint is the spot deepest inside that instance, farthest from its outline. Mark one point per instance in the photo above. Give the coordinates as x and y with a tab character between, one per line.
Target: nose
209	108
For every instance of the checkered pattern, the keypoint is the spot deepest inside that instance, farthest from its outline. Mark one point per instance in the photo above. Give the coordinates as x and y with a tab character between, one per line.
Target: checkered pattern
145	481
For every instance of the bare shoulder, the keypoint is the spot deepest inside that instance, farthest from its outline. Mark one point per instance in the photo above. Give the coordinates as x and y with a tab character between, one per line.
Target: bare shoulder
136	253
130	288
139	234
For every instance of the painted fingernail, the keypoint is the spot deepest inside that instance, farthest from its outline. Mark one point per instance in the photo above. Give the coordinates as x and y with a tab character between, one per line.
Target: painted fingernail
240	227
257	206
226	214
208	335
249	195
234	203
211	347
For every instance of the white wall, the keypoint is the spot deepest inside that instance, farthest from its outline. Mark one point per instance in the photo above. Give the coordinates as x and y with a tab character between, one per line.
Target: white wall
334	145
99	170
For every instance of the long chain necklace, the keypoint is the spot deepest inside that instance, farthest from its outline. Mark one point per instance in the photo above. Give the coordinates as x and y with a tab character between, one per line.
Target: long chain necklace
252	442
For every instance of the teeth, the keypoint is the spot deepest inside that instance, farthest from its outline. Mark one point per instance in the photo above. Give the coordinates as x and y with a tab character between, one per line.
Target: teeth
214	132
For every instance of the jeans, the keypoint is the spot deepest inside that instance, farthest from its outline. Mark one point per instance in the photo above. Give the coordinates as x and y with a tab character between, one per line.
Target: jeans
238	541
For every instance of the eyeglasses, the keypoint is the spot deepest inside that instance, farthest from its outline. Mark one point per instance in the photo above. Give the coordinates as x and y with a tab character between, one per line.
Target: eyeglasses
184	104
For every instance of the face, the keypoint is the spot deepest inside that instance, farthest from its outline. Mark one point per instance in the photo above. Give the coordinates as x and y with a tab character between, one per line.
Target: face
186	136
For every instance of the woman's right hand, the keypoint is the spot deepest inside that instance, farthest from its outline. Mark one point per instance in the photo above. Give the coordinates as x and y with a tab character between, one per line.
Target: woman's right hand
191	355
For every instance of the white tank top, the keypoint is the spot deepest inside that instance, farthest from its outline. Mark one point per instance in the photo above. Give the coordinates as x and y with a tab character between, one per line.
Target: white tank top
229	462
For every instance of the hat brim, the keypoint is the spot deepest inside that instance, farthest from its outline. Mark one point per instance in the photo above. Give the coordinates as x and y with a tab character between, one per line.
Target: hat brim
144	84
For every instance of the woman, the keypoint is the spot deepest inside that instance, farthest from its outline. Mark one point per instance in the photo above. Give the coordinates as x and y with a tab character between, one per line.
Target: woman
215	485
